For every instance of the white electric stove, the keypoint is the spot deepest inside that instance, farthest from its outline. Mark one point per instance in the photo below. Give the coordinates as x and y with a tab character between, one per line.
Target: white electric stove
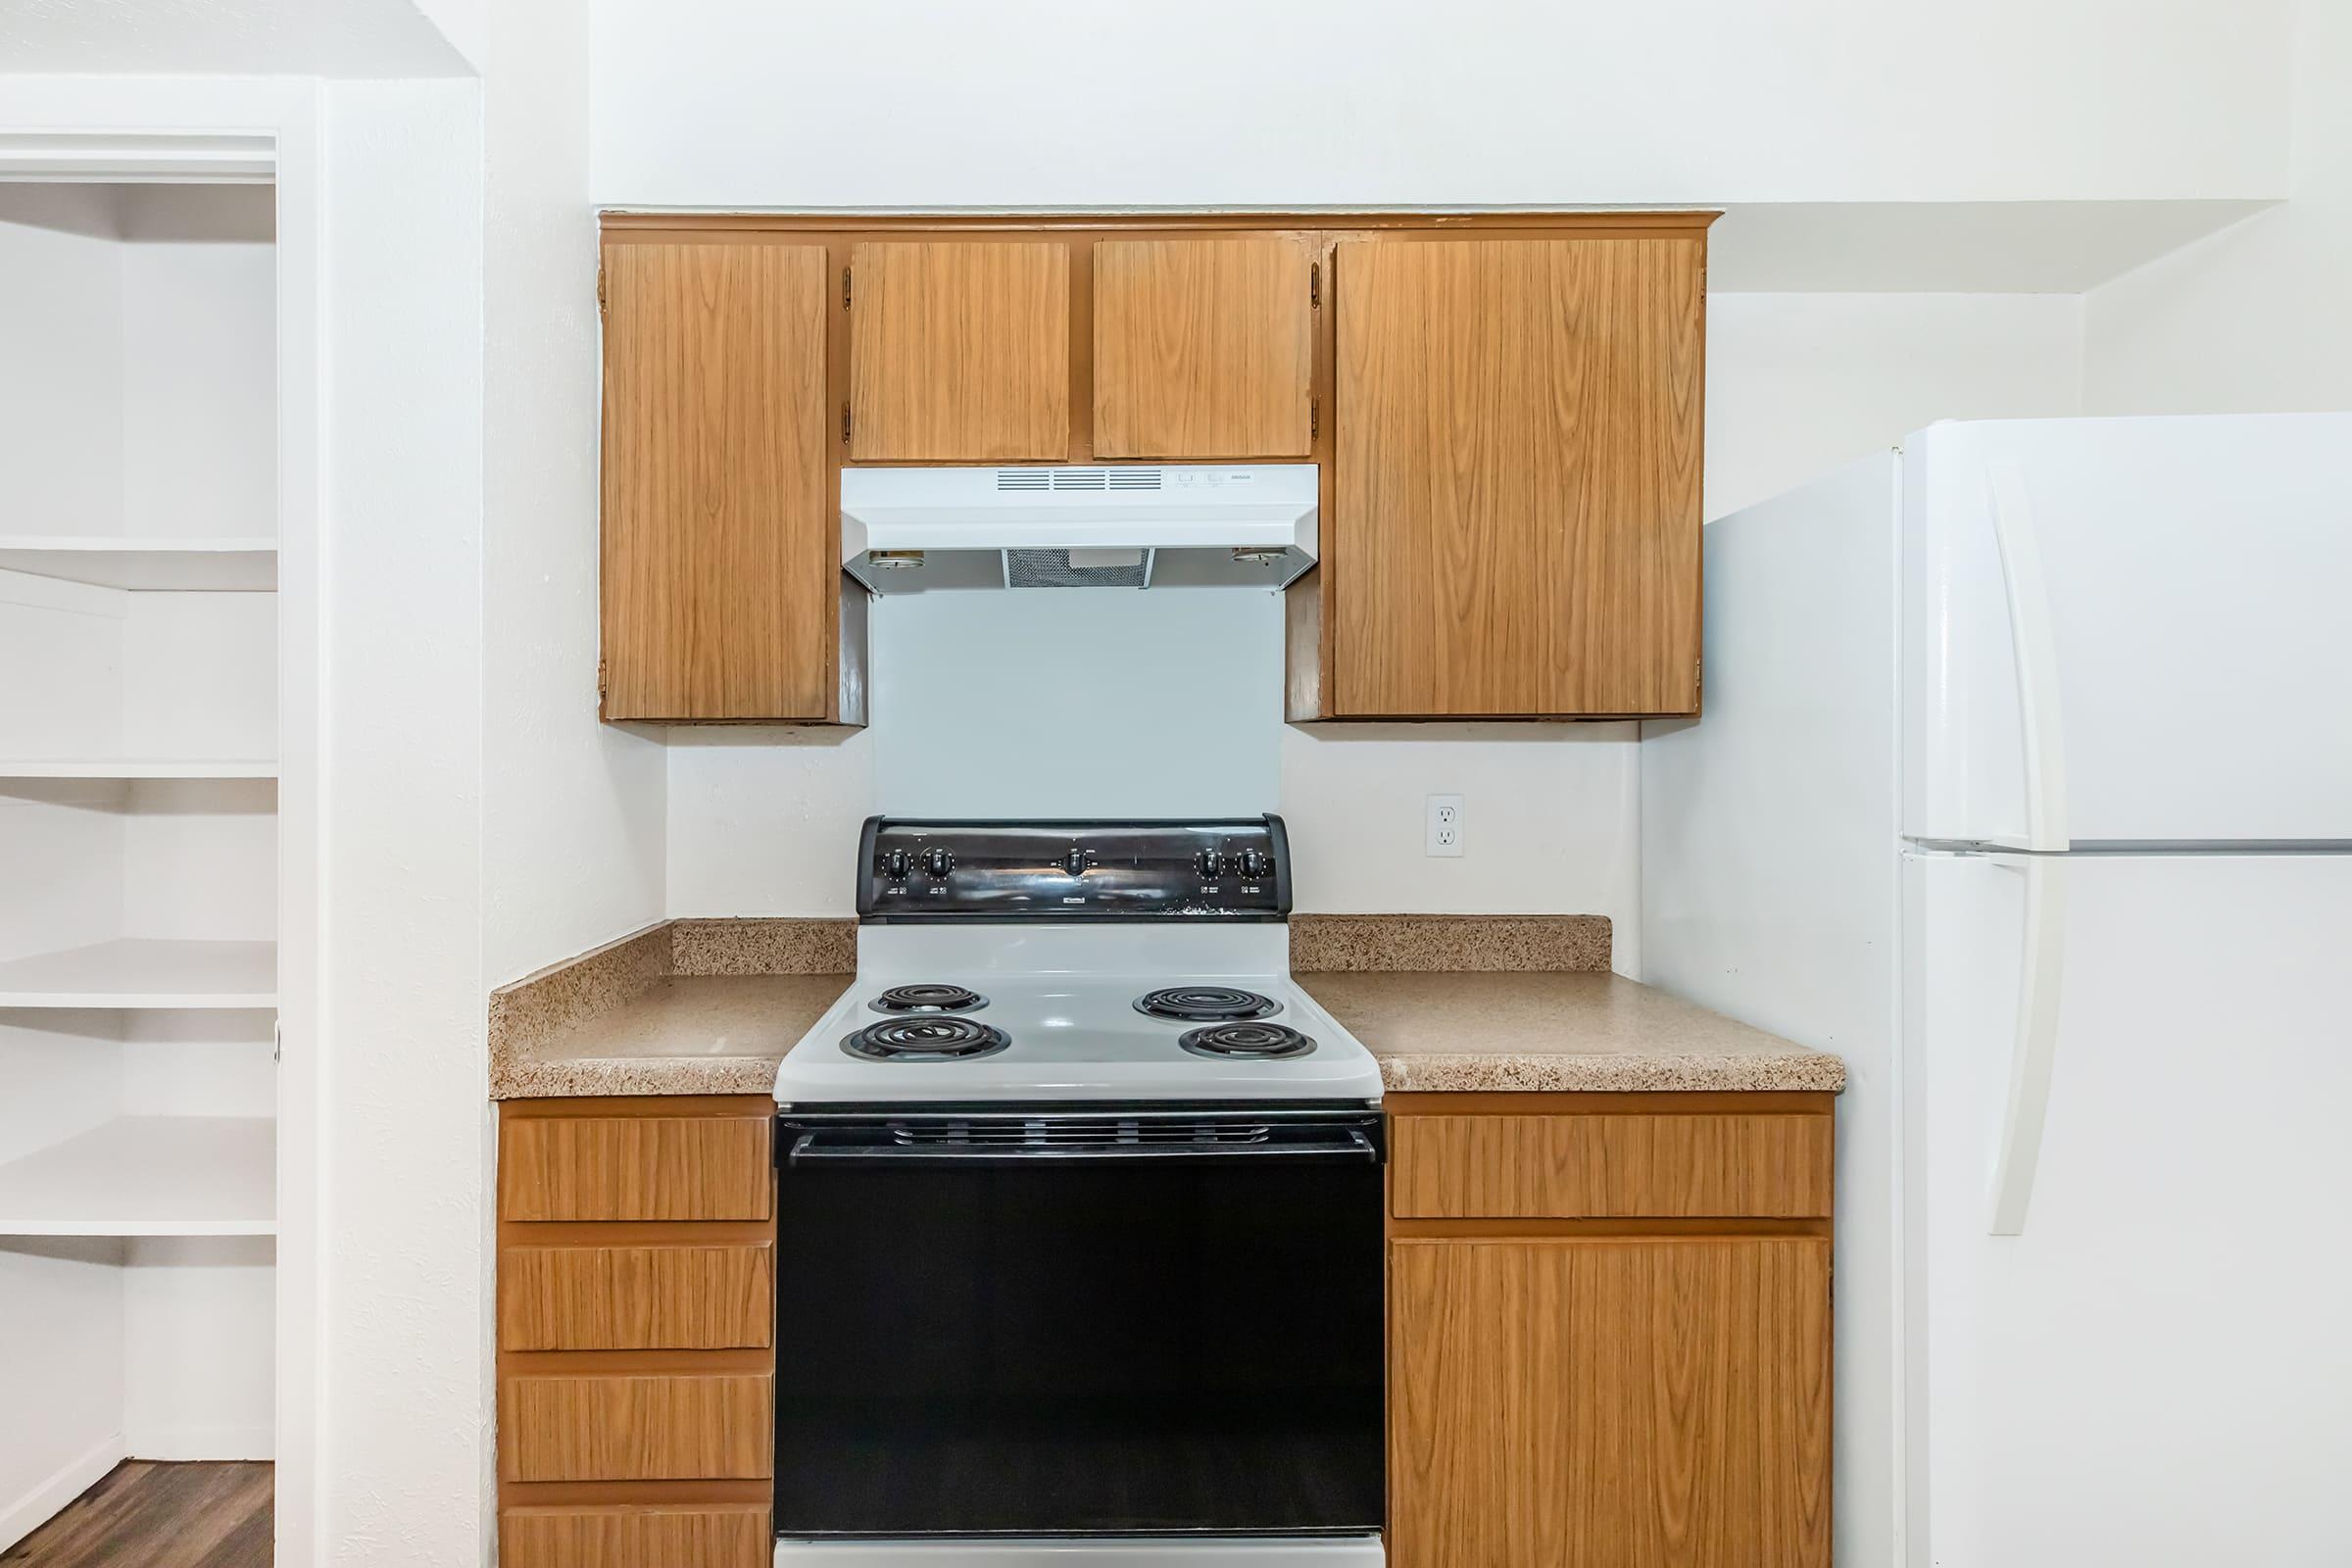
1065	1011
1047	1170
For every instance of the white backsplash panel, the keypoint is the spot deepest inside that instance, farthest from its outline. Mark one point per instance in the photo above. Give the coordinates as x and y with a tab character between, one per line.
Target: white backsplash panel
1077	701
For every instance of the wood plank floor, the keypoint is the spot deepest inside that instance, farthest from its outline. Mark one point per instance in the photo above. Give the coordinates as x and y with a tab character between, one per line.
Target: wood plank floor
159	1516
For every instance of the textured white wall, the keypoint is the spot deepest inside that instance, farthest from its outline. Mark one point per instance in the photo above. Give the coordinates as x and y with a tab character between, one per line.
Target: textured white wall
572	808
1801	384
404	1134
1550	820
2257	319
1399	101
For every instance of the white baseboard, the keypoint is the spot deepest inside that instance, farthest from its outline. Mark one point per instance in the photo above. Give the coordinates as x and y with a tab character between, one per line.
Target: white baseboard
180	1443
38	1506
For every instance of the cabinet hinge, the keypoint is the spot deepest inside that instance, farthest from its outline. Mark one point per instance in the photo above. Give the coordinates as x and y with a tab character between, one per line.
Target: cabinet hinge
1698	676
1315	418
601	307
845	425
600	677
845	288
1314	286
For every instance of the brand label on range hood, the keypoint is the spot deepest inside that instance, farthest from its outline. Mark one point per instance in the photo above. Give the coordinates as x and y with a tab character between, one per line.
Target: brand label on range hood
1206	525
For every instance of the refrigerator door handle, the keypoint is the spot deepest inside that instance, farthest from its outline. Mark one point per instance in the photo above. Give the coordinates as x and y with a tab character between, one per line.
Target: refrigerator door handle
2034	1050
2034	653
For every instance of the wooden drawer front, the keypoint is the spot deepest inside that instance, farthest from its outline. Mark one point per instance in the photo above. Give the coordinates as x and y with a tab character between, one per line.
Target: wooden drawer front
667	1298
1602	1166
635	1168
635	1536
686	1426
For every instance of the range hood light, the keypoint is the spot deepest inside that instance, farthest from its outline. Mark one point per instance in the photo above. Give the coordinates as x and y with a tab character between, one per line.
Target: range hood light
894	559
1259	558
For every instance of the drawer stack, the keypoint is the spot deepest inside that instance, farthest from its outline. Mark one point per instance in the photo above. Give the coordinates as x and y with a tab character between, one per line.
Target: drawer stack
636	1310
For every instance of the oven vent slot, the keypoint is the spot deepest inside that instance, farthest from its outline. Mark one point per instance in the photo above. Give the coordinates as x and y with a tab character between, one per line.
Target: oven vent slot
1059	1134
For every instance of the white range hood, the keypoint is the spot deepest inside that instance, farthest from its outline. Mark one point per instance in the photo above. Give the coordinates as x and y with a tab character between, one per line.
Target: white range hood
1190	525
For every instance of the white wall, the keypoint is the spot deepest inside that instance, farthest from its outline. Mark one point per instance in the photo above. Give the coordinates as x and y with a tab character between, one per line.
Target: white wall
1077	708
1801	384
1398	100
1550	820
2257	319
764	821
139	396
404	1132
232	38
200	358
61	309
573	852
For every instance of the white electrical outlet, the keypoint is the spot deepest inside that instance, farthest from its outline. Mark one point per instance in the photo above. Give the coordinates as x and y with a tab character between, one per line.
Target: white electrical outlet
1445	836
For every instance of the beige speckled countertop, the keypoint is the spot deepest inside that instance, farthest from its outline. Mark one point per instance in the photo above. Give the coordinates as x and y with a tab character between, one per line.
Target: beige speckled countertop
687	1007
1487	1002
1553	1030
685	1034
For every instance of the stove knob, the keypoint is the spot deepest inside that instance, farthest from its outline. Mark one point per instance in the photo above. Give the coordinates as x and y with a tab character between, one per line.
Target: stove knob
897	865
1253	864
1210	864
939	862
1074	863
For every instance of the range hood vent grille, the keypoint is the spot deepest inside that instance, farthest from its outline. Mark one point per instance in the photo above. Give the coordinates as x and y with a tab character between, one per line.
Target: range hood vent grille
1053	568
1036	481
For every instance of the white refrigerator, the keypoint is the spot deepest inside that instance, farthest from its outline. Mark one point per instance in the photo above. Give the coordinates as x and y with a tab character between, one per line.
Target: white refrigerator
2023	781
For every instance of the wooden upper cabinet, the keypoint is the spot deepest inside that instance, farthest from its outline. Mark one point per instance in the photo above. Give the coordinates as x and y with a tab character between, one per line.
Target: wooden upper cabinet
1509	435
959	351
1204	348
1514	519
721	552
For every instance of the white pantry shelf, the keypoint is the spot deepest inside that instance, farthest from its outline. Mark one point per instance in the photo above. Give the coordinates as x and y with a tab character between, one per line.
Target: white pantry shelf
144	972
148	1176
243	564
137	767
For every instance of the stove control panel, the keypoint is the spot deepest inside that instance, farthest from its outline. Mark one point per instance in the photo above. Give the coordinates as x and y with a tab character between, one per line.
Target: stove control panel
1234	869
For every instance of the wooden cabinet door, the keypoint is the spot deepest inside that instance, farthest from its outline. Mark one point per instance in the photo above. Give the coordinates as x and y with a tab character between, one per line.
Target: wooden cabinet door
1650	1402
959	351
1204	348
1515	523
721	550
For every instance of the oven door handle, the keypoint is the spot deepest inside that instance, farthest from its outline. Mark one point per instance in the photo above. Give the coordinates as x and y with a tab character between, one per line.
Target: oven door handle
1339	1147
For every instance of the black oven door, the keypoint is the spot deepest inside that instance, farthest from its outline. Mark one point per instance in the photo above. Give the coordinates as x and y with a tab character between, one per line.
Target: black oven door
1080	1321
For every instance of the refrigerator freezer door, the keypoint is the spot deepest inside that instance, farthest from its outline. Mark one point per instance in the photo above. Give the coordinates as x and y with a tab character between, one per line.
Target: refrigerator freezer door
2154	1370
2126	630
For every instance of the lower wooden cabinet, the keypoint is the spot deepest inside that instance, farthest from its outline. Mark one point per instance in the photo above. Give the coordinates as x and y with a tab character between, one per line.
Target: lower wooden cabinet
639	1426
635	1536
654	1296
636	1326
1607	1392
1608	1331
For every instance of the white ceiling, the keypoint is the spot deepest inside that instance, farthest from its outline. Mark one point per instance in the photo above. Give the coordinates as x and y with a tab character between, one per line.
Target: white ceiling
1950	247
225	38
